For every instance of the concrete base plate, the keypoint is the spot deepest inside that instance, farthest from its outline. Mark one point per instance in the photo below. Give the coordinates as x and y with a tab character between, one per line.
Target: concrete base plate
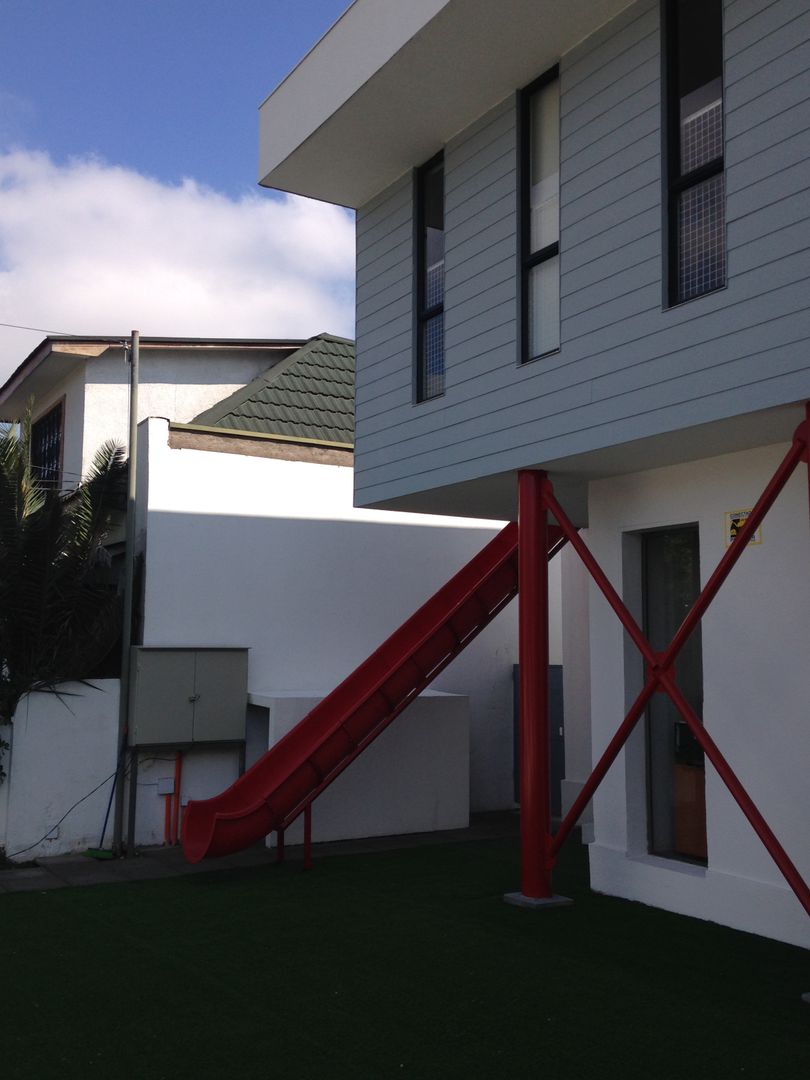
519	900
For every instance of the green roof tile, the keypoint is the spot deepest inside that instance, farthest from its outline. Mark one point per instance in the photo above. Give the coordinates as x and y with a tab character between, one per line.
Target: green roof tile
310	395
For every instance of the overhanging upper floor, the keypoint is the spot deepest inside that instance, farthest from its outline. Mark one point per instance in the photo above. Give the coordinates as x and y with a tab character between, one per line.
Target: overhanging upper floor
392	82
672	305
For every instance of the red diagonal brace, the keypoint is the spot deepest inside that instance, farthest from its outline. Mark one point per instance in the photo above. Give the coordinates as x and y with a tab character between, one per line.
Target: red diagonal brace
740	795
660	665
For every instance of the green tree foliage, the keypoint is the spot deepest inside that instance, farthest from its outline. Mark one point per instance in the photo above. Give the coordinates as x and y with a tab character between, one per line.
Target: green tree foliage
58	616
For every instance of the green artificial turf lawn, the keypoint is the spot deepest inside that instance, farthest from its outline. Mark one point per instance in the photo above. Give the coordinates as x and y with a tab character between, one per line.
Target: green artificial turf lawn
402	964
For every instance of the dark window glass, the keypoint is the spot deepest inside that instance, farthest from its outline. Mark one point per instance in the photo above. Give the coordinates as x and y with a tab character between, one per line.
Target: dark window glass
540	216
697	249
430	280
675	767
46	447
701	238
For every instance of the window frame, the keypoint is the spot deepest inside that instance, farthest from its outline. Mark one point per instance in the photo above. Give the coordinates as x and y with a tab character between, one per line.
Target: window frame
422	313
526	258
676	183
57	406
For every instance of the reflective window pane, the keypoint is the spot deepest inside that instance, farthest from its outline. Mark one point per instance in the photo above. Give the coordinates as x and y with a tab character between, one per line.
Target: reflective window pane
434	268
544	307
701	238
430	298
433	356
702	126
697	214
544	177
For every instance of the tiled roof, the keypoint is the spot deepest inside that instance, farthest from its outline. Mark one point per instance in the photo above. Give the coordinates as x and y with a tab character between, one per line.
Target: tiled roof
310	395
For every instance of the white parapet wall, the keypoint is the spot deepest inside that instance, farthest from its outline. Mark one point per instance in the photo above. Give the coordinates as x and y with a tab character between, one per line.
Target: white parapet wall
756	682
415	777
63	746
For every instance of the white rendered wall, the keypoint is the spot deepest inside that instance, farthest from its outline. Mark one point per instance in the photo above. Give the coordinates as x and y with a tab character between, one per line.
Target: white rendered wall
62	747
272	555
576	663
413	778
177	384
203	771
756	689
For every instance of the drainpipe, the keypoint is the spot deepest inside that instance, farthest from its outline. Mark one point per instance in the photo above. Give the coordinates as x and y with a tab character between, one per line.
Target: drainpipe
129	588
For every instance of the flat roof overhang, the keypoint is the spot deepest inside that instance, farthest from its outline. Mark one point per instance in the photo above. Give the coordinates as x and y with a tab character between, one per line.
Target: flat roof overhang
391	83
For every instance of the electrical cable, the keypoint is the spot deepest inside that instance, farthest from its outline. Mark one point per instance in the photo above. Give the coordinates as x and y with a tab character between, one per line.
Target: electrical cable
22	851
37	329
58	333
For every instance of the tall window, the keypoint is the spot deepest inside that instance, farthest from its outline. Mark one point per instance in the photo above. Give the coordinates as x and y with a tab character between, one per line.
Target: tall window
696	177
430	280
540	216
46	447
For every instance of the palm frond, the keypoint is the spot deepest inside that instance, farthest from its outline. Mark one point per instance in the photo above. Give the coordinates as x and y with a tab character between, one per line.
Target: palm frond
58	619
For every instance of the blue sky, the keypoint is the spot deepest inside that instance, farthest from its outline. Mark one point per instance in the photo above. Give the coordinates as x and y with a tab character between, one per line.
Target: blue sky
128	160
170	88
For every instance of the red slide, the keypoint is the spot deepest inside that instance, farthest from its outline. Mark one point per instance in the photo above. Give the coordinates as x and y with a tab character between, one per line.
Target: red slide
274	791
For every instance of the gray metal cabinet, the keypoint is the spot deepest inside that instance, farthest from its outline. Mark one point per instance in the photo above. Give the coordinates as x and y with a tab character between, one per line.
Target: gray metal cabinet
187	695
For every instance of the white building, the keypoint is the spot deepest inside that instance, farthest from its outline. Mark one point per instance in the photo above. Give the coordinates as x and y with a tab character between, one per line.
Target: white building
583	237
249	540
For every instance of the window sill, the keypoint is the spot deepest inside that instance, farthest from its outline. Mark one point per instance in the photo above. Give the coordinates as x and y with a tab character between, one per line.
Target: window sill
540	356
428	400
681	303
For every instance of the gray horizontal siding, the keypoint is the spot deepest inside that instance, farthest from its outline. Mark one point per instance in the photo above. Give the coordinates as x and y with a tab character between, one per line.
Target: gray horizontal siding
384	288
480	296
781	47
626	367
599	270
389	284
761	20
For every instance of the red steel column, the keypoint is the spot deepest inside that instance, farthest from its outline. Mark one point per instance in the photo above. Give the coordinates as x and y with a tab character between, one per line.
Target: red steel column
535	814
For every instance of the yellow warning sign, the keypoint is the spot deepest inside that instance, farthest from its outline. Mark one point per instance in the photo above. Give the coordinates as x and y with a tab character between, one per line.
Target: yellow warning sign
735	519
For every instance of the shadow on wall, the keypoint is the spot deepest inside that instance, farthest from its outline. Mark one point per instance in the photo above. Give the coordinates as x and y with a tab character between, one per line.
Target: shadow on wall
312	599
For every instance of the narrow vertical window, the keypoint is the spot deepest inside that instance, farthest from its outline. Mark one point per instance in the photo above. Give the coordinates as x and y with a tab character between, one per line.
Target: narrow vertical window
540	216
430	280
46	447
696	177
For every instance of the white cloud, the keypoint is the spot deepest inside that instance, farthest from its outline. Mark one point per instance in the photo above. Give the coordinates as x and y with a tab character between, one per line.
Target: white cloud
90	248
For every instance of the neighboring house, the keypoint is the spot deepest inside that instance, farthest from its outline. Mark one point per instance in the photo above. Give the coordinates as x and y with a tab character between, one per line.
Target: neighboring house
79	387
583	246
249	540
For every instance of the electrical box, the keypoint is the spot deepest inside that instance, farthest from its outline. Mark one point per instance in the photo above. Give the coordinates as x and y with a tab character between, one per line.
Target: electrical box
187	695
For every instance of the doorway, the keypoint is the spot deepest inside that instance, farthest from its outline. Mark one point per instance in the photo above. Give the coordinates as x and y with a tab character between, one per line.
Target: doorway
676	774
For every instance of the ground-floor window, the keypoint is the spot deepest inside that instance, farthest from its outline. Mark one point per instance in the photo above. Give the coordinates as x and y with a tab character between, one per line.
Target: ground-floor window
676	788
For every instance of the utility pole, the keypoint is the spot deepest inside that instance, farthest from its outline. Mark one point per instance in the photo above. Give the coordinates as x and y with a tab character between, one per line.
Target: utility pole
129	591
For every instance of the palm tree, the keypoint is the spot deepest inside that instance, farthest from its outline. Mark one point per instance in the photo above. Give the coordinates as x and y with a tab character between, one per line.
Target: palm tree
58	616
